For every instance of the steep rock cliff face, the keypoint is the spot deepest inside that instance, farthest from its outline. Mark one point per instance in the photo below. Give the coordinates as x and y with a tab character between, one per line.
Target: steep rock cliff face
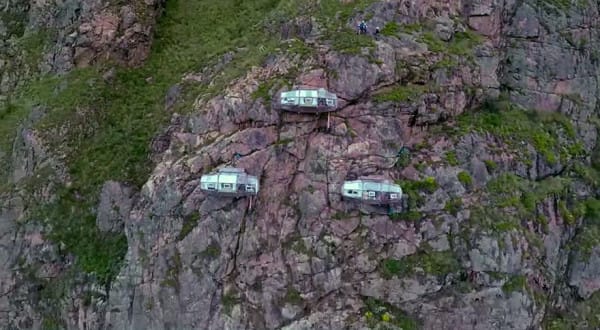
496	101
43	39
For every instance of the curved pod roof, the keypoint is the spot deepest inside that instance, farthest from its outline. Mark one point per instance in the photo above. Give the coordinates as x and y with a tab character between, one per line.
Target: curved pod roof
372	191
308	100
230	181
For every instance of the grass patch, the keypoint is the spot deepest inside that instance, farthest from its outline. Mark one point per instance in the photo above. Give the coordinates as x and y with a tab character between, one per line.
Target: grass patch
512	200
412	28
391	267
515	283
453	206
451	158
283	142
589	236
407	93
189	223
14	21
490	165
293	297
390	29
334	16
300	48
403	157
428	185
415	191
340	216
51	323
263	91
300	247
11	115
213	250
561	5
407	216
434	44
171	278
552	135
432	262
18	105
377	312
461	44
348	42
509	190
228	301
32	44
465	179
581	314
73	225
445	63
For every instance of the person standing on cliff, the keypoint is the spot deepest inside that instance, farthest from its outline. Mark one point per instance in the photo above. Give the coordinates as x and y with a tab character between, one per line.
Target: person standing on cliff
362	27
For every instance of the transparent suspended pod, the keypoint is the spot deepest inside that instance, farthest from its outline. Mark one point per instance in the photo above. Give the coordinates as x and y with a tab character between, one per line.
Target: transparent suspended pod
308	100
371	191
229	181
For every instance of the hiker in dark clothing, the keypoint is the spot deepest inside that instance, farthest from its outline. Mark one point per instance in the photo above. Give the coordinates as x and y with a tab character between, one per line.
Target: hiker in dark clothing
362	27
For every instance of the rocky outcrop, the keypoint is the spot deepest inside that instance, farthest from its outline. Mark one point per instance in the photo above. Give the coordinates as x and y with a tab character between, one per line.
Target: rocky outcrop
55	37
92	31
299	255
585	275
494	197
114	207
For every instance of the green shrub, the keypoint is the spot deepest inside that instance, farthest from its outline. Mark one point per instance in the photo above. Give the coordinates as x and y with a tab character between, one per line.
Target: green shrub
228	301
465	179
73	224
392	267
407	215
490	165
292	296
515	283
263	91
380	313
453	205
413	190
432	262
340	215
390	29
349	42
213	250
552	135
451	158
434	44
188	225
399	93
462	43
411	28
428	184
